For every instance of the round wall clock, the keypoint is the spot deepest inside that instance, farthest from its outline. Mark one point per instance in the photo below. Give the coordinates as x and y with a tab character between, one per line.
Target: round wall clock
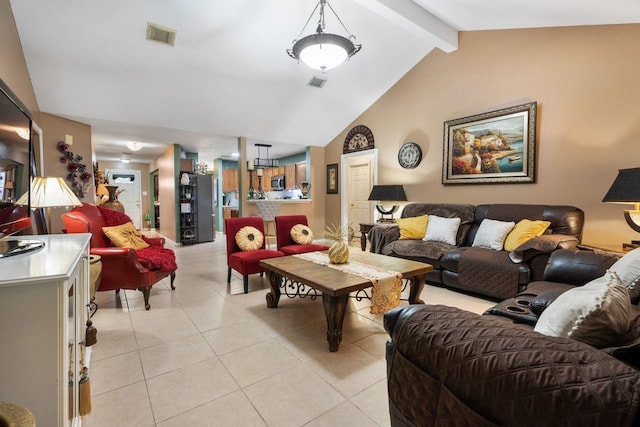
359	138
410	155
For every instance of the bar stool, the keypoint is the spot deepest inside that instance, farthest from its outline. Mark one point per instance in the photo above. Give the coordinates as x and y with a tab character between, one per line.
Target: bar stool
268	209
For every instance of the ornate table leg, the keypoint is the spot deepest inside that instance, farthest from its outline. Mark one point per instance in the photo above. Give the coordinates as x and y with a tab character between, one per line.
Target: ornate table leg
334	309
363	240
273	297
415	290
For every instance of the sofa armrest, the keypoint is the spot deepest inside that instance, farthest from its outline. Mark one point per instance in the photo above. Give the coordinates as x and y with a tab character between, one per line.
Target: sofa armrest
577	267
381	235
154	241
500	373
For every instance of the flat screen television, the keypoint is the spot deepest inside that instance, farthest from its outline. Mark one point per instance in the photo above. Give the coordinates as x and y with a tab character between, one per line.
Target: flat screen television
18	165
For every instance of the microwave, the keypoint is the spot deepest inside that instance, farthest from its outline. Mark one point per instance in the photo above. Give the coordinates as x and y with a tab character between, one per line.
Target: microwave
277	182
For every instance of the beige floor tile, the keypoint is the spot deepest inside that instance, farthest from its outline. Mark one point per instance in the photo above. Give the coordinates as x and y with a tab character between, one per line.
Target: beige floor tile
251	364
342	415
232	410
183	389
374	344
306	342
125	407
112	342
349	370
213	355
176	354
374	402
163	325
236	336
115	372
293	397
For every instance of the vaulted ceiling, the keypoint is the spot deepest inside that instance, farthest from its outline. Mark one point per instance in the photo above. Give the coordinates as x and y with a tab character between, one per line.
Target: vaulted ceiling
228	74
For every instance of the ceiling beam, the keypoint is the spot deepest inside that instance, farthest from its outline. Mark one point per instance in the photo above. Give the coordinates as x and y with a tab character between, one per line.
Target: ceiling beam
407	14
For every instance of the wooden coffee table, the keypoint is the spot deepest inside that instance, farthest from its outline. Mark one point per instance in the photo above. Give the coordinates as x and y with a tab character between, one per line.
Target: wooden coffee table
336	286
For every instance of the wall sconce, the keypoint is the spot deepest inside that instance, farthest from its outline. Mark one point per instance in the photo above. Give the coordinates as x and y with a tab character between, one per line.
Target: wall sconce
387	193
626	189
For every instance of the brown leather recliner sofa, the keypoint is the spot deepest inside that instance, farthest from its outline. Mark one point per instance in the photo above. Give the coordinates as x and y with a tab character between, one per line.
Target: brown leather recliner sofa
493	273
450	367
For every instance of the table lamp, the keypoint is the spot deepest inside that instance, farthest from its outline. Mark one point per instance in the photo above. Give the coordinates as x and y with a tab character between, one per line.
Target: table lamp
626	189
387	193
48	192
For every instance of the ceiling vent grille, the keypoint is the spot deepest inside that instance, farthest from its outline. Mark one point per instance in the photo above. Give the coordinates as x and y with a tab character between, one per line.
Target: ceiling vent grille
161	34
317	82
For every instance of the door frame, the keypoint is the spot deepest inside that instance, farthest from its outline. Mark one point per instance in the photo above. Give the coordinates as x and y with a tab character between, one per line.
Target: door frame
137	173
344	177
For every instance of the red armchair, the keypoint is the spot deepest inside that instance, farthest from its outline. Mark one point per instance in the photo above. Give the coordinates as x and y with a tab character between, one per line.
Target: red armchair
247	262
121	267
285	243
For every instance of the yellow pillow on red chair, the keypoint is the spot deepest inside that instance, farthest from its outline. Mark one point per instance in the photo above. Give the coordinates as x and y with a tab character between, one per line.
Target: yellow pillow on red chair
125	236
301	234
249	238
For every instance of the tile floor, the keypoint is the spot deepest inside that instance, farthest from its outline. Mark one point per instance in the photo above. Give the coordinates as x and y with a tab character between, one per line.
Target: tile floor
206	354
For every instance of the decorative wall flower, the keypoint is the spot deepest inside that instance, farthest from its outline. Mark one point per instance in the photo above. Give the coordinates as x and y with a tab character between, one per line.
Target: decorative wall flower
78	177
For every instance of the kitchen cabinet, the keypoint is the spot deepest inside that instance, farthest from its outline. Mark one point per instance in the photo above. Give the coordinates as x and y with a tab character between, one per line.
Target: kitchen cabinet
230	213
229	180
290	176
43	310
266	178
301	172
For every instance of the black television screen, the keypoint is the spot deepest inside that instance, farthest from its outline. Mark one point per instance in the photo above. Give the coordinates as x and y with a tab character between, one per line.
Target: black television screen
17	160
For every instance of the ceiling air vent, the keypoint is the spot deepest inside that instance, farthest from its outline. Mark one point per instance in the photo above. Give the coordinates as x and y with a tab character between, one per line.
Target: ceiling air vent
161	34
317	82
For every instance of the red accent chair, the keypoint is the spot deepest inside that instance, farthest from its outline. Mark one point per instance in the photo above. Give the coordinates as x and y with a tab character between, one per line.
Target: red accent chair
247	262
285	243
121	268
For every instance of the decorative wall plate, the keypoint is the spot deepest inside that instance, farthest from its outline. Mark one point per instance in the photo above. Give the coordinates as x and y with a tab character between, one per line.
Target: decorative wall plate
410	155
359	138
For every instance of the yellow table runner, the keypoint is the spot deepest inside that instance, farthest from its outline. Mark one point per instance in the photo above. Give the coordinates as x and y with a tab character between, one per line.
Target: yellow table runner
387	285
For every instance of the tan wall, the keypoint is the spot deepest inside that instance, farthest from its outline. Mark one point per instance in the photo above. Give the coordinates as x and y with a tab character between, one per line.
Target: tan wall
13	71
167	183
13	67
54	129
586	84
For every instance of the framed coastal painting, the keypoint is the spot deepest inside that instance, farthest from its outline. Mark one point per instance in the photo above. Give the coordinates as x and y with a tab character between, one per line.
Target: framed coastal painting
332	178
494	147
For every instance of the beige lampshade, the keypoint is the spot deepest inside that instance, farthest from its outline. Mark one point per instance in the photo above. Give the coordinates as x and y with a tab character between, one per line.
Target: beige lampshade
49	192
9	185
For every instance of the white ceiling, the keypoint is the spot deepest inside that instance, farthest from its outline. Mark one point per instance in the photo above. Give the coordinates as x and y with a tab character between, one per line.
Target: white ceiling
228	74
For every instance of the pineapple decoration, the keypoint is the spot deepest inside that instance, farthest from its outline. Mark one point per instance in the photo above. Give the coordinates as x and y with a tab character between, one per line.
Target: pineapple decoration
338	251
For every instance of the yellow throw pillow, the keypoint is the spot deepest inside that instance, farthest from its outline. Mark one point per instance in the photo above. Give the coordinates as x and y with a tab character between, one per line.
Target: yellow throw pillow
301	234
413	228
125	236
249	238
523	231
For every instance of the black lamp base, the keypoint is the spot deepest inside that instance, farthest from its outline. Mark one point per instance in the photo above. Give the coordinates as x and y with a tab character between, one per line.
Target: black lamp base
386	214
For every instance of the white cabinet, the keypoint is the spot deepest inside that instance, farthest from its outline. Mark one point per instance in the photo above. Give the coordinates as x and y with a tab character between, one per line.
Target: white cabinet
43	297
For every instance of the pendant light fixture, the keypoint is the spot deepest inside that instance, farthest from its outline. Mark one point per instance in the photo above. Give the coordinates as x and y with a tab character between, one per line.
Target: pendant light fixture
323	51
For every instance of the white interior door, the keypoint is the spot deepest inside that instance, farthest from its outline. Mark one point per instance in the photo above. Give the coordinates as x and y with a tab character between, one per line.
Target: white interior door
359	172
129	181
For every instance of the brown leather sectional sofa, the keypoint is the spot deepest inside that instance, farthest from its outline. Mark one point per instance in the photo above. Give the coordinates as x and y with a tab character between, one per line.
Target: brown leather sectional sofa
487	272
450	367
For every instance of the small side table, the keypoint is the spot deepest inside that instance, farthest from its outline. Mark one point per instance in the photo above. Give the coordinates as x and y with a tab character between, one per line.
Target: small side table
365	227
622	248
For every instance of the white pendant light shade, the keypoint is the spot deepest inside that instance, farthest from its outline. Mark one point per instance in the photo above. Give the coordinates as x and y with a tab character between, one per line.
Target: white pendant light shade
323	51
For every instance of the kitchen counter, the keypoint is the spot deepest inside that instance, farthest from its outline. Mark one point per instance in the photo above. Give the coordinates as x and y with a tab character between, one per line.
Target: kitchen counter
281	201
